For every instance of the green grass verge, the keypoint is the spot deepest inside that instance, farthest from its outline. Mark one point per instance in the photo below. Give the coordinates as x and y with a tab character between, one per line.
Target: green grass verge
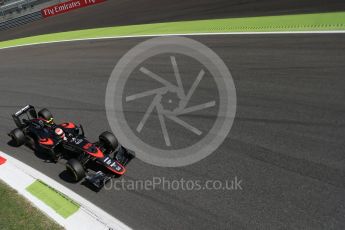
302	22
61	204
18	213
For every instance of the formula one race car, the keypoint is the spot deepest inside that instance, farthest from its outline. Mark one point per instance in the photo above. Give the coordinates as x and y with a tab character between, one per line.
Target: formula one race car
96	162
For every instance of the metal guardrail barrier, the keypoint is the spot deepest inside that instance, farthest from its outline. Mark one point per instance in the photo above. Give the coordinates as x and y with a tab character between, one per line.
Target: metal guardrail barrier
19	12
20	20
17	5
16	8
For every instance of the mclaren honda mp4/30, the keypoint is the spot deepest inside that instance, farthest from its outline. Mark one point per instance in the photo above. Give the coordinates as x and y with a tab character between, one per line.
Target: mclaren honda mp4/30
96	162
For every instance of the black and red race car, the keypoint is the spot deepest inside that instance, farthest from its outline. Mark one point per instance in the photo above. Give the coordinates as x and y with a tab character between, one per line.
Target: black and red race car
97	162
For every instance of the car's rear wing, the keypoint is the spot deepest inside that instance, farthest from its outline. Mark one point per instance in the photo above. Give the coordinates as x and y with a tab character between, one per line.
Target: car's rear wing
28	111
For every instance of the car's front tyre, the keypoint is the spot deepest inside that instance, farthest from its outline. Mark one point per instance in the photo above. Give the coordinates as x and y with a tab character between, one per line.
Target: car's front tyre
109	140
76	169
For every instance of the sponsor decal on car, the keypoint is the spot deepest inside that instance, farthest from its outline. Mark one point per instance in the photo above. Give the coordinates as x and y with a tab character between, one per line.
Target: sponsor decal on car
22	110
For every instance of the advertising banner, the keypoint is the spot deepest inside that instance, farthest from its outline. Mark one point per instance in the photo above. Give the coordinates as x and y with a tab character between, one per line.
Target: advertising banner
68	6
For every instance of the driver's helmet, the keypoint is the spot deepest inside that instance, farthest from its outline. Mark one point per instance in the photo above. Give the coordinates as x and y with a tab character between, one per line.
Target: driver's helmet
60	133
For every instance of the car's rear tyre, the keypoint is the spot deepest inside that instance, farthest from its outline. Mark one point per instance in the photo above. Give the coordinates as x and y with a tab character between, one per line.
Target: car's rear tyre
52	155
109	140
18	137
76	169
45	114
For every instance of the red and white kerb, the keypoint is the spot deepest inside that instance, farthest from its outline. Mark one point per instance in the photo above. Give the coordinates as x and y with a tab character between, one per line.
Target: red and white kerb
2	160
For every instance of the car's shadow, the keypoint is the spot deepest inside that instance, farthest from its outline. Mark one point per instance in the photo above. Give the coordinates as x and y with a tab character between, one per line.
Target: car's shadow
90	186
11	143
39	154
65	175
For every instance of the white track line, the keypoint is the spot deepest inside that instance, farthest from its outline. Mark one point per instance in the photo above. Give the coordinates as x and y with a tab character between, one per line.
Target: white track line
188	34
89	216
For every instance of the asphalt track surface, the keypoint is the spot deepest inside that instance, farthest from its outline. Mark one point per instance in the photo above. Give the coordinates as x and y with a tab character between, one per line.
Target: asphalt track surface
126	12
286	144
